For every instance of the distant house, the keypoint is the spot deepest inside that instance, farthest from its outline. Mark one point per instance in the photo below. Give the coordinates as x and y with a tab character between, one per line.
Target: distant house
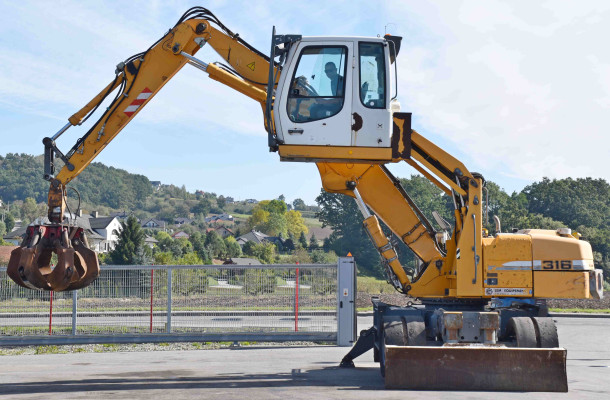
223	231
252	236
199	192
258	238
242	261
108	229
156	185
182	221
181	235
154	224
219	218
150	241
121	215
15	237
103	242
5	254
229	200
251	201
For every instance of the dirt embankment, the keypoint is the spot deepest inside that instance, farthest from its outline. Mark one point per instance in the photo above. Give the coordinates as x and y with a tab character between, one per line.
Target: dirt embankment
364	300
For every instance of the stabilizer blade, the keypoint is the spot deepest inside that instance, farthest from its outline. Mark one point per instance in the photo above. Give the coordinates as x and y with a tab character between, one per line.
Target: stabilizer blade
476	368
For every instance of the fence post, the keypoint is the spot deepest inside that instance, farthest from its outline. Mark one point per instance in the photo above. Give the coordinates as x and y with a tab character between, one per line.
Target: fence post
51	313
152	281
296	302
74	310
169	300
346	297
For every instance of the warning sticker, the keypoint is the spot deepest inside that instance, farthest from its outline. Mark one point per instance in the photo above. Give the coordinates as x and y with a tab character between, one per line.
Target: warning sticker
508	291
345	292
251	65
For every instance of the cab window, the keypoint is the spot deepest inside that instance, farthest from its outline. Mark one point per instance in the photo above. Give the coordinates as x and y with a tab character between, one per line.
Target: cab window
372	75
317	89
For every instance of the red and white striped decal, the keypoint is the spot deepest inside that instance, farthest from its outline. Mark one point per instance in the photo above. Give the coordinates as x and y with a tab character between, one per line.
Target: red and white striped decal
142	97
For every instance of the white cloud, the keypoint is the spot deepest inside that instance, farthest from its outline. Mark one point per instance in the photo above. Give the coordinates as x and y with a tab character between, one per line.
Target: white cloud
517	89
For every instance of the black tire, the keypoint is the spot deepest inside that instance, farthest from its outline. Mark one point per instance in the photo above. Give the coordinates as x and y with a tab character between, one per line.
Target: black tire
522	331
393	334
546	332
415	330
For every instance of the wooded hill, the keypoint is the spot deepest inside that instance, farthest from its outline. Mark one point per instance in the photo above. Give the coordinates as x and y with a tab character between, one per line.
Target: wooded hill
580	204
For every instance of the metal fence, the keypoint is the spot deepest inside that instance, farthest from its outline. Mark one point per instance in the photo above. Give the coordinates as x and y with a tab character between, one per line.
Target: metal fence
144	303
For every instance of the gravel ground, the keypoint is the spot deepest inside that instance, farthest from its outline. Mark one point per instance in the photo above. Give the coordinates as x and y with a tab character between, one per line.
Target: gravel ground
126	348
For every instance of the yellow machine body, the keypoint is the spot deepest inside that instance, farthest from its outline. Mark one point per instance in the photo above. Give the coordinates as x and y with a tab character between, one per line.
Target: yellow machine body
351	127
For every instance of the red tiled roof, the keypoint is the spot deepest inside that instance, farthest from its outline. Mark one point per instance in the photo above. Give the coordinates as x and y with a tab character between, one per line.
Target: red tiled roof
5	253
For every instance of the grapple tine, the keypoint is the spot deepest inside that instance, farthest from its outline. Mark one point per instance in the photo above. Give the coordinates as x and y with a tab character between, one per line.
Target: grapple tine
88	261
30	264
12	270
29	270
61	276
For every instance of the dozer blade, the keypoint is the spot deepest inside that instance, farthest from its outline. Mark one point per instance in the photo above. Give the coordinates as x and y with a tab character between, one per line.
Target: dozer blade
476	368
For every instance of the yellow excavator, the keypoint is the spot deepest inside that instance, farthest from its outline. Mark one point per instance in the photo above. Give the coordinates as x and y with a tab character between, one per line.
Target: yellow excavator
481	324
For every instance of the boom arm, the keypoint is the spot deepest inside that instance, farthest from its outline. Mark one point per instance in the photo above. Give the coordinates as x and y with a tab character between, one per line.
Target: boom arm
140	77
375	188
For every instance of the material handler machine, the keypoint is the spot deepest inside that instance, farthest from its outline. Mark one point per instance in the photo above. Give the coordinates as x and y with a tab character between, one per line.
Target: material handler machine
332	101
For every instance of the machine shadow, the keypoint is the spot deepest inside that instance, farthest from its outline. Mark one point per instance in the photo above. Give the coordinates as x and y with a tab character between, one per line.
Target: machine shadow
362	378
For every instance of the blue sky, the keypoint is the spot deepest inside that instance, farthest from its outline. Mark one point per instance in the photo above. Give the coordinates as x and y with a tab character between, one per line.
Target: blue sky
516	90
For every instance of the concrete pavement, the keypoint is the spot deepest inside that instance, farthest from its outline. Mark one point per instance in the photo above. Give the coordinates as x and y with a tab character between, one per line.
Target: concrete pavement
270	373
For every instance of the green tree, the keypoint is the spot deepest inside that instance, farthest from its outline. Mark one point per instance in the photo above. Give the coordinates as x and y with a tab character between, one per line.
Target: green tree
167	244
221	201
303	240
341	214
322	257
273	206
276	225
258	219
264	252
29	210
233	248
198	242
582	201
2	228
202	208
313	242
215	244
298	204
9	221
164	258
189	259
295	223
129	249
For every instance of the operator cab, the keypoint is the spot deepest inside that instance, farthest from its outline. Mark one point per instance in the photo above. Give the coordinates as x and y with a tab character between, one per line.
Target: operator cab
334	98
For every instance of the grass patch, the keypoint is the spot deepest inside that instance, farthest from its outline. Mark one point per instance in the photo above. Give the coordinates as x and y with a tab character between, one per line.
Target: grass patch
372	285
313	222
50	350
580	310
242	216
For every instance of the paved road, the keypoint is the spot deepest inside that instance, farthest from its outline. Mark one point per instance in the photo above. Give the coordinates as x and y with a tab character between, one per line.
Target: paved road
270	373
324	323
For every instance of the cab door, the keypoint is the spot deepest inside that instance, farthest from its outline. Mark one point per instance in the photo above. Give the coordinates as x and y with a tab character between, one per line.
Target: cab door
370	102
315	99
